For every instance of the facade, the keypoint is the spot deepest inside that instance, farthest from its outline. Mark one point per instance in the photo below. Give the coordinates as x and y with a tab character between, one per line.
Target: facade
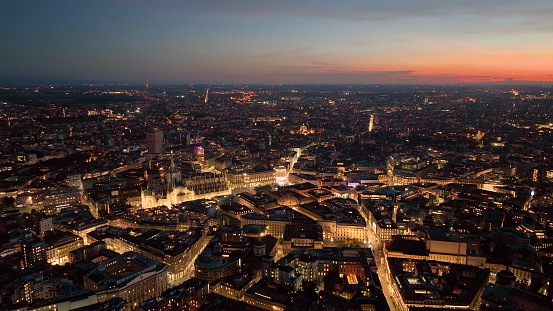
59	246
45	224
174	191
425	284
233	287
211	269
64	195
189	295
264	296
251	178
34	251
151	243
86	251
154	141
131	276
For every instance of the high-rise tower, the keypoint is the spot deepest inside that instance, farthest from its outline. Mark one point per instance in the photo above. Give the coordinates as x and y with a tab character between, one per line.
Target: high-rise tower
390	165
371	123
154	141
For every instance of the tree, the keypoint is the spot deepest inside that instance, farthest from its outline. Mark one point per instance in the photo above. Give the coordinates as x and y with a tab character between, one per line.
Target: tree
8	202
330	280
310	290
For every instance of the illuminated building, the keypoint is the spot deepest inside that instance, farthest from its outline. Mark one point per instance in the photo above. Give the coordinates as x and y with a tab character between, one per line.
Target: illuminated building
371	123
171	190
59	245
315	264
86	251
385	229
63	195
308	267
281	175
38	293
44	224
34	251
390	164
199	152
75	181
304	130
189	295
343	231
287	275
51	199
251	178
233	286
302	235
154	141
177	250
268	297
426	284
500	297
210	269
131	276
274	220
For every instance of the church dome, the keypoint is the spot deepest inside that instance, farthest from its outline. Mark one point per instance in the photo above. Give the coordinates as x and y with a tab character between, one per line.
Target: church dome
288	200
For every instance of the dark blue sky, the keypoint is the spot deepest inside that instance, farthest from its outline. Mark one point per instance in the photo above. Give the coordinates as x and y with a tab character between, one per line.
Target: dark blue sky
236	41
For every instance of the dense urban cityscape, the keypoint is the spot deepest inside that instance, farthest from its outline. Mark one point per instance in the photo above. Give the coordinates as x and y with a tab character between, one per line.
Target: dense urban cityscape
276	197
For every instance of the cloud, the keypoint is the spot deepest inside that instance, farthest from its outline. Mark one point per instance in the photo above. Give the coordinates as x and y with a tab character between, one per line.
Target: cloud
357	9
353	77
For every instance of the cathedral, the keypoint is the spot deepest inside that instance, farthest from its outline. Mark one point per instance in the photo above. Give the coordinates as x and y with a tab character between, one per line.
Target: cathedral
169	188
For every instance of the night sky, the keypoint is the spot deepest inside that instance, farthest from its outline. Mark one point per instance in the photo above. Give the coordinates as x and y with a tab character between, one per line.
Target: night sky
316	41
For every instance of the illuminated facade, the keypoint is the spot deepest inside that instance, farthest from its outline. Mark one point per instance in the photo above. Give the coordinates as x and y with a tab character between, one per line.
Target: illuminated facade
233	287
34	251
211	269
171	190
179	261
130	276
430	291
264	296
252	178
60	245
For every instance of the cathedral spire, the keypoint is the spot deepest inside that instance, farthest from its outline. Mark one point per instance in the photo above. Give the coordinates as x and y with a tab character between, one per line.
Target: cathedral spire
172	162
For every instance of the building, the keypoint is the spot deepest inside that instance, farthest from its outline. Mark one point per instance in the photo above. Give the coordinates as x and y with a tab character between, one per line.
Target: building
251	178
210	269
501	297
266	296
61	196
176	249
171	190
302	235
233	286
189	295
59	246
34	251
86	251
315	264
131	276
432	284
154	141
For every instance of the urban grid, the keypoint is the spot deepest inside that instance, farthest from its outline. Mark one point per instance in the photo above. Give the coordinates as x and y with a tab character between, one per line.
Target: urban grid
276	155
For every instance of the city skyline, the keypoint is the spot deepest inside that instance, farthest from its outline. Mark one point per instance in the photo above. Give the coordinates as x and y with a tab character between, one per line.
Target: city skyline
361	42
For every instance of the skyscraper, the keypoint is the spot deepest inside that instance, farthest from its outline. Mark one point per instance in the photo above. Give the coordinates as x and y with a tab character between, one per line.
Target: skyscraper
371	123
34	250
154	141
